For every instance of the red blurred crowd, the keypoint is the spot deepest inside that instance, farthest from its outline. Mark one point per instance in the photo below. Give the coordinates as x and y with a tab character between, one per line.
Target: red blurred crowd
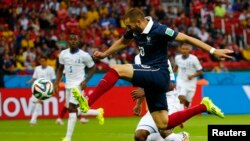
31	28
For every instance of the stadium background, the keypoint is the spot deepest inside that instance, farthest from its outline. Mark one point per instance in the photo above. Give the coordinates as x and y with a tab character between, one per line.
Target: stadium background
29	29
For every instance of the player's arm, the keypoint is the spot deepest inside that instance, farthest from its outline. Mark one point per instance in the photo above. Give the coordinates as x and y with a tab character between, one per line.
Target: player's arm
59	75
30	81
139	96
90	73
118	45
34	76
138	106
220	53
197	73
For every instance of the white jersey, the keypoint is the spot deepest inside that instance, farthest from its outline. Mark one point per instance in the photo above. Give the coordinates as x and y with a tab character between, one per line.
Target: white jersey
74	66
171	73
47	73
188	66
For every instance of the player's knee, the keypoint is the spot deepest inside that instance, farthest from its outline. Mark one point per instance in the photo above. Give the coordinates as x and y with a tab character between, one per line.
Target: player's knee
162	125
141	135
123	70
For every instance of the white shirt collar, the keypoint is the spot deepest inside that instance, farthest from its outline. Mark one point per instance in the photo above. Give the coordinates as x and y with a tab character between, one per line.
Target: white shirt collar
148	26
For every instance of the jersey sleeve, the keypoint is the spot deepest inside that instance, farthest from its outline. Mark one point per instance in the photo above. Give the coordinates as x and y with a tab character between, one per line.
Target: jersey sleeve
197	64
35	74
128	35
60	58
88	61
168	32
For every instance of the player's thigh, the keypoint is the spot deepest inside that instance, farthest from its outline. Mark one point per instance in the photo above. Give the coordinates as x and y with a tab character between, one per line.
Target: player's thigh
160	118
147	123
67	97
124	70
190	95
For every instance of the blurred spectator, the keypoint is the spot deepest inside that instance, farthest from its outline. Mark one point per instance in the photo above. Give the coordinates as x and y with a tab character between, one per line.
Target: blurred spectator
93	14
197	6
8	65
51	61
203	34
193	30
246	53
61	42
27	42
44	24
24	21
74	8
220	68
219	10
84	21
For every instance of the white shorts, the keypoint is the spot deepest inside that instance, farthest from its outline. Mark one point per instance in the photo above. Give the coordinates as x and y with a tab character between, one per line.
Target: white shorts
147	122
186	91
69	98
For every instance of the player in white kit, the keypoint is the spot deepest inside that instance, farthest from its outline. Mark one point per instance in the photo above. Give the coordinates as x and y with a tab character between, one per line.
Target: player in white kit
41	71
146	128
189	68
74	60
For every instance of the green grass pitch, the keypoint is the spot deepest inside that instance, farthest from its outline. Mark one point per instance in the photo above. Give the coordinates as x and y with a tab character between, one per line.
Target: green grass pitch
114	129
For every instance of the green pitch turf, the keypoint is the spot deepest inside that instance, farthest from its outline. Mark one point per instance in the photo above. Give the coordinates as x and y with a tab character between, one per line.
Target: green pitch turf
114	129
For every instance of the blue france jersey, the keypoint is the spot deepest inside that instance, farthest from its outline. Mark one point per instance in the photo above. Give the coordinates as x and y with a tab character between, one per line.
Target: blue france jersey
153	43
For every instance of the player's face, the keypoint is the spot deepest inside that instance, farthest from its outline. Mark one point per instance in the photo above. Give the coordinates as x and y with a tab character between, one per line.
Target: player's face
134	26
185	50
43	62
73	41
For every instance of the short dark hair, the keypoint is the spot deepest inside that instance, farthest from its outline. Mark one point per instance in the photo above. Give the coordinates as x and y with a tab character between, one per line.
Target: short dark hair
133	14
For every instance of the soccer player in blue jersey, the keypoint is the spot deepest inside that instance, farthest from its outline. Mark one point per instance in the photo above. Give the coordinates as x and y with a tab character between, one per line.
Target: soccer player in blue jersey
153	75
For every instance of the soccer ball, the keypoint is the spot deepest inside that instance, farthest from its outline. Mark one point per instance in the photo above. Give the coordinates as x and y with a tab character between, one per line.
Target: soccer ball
42	89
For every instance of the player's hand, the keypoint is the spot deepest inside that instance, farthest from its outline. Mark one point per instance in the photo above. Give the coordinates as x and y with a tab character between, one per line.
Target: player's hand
99	55
138	93
137	110
190	77
83	85
223	54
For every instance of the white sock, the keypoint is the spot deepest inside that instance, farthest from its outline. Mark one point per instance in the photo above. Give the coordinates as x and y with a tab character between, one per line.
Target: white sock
71	125
91	112
174	137
37	110
155	137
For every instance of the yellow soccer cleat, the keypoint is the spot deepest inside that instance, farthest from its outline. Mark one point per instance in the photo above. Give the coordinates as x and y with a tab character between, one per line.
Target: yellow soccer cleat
100	116
212	108
65	139
83	102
